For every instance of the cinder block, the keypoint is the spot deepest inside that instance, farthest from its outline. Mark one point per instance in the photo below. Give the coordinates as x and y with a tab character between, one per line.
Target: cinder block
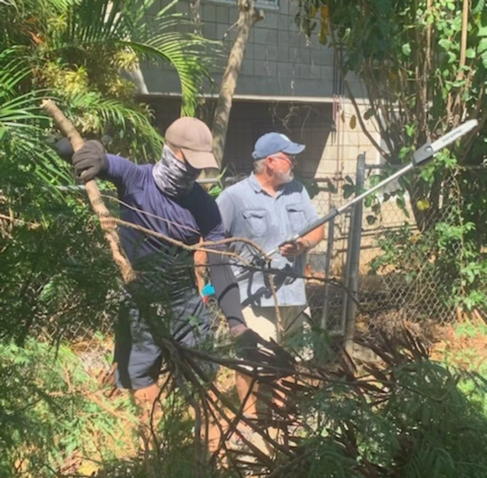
319	56
349	152
285	22
350	138
284	70
271	69
264	68
283	37
272	37
282	53
330	151
260	35
208	12
303	71
326	73
260	52
284	6
314	71
372	156
271	20
247	67
327	166
293	53
271	52
210	30
222	14
221	30
249	52
350	166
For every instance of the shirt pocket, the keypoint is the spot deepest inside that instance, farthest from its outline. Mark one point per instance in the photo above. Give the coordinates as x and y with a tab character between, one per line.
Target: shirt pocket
256	221
296	216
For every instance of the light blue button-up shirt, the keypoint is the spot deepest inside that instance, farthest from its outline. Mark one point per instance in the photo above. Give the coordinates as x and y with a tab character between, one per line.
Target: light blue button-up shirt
248	211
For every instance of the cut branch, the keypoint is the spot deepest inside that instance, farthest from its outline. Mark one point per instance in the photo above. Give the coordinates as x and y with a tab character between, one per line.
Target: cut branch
108	227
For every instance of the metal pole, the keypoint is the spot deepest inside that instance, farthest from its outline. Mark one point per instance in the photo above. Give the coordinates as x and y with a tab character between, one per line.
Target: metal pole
353	259
419	156
329	253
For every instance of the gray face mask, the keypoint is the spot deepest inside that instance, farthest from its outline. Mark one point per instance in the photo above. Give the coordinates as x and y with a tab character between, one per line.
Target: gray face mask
173	176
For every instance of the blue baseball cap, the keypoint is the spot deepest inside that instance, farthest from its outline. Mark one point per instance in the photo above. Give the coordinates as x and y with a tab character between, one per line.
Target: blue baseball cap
272	143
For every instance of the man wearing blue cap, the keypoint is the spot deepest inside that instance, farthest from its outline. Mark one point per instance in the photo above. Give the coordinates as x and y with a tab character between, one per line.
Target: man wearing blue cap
268	207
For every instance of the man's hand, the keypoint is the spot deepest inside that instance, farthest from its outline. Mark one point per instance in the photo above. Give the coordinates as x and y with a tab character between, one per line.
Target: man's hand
251	346
90	160
64	149
246	342
293	249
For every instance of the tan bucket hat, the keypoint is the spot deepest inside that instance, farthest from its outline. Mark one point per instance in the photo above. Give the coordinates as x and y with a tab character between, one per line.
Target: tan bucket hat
195	140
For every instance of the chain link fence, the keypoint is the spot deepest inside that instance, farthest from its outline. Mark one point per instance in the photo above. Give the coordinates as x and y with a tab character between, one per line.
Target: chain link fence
374	265
387	269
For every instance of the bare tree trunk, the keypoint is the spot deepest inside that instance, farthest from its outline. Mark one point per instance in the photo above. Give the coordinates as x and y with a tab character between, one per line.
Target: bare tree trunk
137	77
248	15
195	12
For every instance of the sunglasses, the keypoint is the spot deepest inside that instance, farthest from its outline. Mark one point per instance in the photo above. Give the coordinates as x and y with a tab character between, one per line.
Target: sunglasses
287	157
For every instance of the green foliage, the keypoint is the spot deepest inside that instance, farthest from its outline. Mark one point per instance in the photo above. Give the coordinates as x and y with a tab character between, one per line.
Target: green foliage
47	415
421	79
438	260
423	67
78	48
410	419
56	421
55	271
53	266
417	259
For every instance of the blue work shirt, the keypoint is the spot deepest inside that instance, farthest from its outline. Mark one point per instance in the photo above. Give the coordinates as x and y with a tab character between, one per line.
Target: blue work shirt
164	266
249	211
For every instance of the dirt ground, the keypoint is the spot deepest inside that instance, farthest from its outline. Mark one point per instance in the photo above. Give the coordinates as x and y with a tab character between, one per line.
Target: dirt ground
464	345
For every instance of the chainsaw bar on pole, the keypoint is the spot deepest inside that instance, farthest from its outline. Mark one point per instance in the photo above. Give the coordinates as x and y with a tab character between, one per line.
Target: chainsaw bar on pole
420	155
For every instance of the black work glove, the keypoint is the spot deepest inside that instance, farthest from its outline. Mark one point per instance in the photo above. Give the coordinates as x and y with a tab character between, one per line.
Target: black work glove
246	345
252	347
90	160
64	149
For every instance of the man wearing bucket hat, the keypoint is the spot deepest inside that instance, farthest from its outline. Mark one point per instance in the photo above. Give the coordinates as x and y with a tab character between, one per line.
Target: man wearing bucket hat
268	207
164	198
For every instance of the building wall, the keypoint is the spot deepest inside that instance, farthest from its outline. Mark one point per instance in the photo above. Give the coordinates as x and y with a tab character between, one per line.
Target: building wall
279	59
288	83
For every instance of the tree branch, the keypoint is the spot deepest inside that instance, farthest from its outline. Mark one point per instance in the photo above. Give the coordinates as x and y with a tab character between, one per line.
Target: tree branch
109	229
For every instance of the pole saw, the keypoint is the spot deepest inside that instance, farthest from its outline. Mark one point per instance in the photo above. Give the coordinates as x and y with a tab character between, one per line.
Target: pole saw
419	157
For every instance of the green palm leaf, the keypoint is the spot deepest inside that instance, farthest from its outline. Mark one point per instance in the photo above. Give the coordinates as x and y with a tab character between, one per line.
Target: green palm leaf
22	126
119	116
93	24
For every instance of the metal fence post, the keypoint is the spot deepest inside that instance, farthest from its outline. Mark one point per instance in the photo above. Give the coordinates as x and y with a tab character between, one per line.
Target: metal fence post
329	253
353	258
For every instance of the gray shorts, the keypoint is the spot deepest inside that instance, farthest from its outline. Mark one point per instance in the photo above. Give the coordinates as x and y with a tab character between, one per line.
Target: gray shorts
138	352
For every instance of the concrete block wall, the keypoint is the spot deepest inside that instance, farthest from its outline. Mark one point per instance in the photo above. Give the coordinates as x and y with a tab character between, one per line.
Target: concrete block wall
279	60
339	160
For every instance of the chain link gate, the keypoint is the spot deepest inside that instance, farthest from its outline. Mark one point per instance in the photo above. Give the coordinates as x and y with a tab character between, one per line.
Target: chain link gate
363	253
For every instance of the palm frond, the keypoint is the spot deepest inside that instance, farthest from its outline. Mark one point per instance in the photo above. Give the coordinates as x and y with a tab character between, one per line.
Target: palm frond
22	126
116	115
93	24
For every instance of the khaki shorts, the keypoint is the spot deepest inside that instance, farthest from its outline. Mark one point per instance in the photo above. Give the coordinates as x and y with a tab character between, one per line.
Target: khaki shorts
263	320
